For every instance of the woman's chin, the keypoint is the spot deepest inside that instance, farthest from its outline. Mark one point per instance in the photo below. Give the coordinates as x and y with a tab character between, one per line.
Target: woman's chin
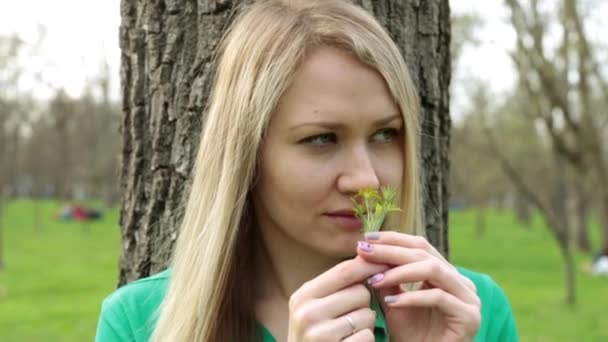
341	251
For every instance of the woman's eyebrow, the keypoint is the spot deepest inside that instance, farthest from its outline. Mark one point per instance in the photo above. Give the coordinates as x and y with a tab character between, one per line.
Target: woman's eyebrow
338	125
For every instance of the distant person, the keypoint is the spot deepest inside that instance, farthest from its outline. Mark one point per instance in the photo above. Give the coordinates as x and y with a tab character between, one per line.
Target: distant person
600	264
94	214
311	102
66	212
79	213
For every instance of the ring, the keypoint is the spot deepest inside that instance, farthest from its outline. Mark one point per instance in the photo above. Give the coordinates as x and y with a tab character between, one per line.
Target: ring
351	323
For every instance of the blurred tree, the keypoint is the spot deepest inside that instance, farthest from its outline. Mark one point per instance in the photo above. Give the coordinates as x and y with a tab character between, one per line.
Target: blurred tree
10	122
475	179
10	109
539	175
568	93
2	200
464	27
62	112
71	149
166	75
477	176
580	208
96	141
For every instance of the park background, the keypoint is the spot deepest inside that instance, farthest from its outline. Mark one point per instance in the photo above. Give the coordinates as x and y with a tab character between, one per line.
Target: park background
526	198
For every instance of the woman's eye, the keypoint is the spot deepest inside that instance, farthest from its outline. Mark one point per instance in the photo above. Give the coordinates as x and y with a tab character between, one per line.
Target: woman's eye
387	135
321	139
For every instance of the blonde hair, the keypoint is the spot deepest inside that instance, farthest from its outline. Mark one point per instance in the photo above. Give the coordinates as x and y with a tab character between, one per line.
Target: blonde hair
207	298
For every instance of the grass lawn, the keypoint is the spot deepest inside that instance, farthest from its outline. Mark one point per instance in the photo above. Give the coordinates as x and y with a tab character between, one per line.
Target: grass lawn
57	274
528	266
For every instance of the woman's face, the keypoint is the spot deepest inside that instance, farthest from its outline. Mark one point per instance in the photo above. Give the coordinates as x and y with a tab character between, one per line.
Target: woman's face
335	130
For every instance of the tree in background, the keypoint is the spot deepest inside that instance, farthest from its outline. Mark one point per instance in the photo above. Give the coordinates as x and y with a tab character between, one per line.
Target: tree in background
547	134
533	166
12	107
167	51
71	148
568	92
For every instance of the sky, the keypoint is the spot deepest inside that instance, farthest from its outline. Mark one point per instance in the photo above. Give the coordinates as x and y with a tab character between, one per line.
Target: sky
81	35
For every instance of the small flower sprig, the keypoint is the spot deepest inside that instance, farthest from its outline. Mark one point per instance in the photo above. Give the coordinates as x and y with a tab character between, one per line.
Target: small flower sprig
372	207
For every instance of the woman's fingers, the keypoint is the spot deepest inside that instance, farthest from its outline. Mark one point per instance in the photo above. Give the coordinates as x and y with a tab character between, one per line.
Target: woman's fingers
335	305
431	271
392	255
319	307
404	240
366	335
413	241
467	314
344	274
414	265
344	301
340	328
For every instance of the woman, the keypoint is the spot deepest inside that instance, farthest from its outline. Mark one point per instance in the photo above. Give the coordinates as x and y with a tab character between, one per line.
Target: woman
311	102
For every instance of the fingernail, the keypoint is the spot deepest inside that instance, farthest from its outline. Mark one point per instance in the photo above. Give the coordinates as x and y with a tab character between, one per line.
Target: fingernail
390	299
375	278
365	247
372	236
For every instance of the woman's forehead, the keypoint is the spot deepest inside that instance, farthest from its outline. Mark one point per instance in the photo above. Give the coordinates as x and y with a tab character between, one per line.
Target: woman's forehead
332	84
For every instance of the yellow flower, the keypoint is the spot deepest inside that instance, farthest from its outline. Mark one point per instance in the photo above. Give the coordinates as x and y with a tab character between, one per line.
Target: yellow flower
372	207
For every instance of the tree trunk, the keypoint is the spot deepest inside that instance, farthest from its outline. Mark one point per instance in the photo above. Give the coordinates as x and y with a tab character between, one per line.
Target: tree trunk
581	219
12	172
604	220
569	274
2	264
166	74
523	211
562	224
3	162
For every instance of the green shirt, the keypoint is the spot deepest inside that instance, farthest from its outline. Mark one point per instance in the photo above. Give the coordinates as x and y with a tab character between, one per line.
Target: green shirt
129	313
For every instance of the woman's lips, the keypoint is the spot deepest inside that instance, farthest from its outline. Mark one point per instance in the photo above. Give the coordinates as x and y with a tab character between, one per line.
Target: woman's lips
348	222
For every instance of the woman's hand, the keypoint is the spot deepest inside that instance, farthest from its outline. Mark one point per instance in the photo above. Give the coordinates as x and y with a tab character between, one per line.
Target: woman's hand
445	307
335	305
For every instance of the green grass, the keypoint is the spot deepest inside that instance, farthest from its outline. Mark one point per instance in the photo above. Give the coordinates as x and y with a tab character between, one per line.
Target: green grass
57	274
528	266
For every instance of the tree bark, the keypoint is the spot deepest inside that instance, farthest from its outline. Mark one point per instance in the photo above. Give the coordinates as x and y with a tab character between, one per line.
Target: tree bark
166	74
523	211
581	218
1	228
580	139
552	211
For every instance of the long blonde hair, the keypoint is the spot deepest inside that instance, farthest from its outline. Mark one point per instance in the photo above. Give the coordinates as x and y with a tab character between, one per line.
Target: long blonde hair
209	293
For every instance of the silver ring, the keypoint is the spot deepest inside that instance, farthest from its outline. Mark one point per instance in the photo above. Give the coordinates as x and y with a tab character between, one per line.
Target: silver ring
352	324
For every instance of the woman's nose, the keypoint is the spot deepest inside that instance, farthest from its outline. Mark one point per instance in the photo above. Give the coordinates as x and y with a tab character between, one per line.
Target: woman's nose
358	172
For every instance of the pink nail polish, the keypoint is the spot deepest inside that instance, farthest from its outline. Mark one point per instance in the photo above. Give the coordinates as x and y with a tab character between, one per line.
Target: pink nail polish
375	278
372	236
365	247
390	299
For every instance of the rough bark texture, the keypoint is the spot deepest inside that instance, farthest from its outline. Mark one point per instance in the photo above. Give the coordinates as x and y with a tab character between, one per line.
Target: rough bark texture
166	74
1	230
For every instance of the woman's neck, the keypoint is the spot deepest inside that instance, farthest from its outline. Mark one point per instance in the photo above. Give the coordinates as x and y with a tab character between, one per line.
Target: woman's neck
284	266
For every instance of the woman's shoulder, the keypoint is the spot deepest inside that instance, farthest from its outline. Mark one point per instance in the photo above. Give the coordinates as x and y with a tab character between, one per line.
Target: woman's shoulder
141	288
497	320
130	312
